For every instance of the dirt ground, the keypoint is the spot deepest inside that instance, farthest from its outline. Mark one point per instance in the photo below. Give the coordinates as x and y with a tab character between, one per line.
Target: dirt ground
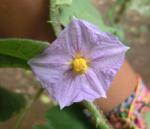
138	39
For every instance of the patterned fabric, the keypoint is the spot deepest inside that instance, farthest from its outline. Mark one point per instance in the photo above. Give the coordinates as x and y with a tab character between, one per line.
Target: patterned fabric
130	114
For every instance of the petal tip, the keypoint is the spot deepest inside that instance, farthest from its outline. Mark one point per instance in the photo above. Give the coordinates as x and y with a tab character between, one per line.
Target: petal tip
62	106
127	48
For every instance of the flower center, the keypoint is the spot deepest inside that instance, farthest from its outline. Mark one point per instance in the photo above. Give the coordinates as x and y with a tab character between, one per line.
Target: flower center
79	65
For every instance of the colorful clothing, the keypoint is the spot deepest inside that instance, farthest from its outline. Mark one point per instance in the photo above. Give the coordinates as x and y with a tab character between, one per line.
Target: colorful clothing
130	114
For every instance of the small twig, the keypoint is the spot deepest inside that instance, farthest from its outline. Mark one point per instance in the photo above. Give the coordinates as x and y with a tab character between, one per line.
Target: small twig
98	116
26	109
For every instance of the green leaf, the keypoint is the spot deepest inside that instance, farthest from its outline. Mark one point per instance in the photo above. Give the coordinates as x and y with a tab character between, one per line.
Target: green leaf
69	118
8	61
63	2
83	9
10	103
16	52
21	48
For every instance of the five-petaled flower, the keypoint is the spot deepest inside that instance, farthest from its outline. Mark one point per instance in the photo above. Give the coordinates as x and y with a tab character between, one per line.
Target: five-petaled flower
80	64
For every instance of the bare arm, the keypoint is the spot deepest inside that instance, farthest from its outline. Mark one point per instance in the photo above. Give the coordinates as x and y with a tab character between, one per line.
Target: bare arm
25	19
123	85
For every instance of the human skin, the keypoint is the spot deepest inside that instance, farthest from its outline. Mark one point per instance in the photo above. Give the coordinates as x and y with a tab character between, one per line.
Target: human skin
122	86
25	19
28	19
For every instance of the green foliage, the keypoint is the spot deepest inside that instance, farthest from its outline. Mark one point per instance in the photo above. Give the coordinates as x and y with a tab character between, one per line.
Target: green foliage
8	61
69	118
10	103
83	9
63	2
141	6
121	6
117	9
21	48
16	52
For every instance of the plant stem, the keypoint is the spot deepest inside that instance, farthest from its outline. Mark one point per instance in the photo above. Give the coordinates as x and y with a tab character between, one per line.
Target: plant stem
117	10
98	116
26	109
54	17
121	10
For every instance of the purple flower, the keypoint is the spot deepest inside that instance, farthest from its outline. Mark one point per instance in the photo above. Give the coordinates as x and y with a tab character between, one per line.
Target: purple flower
80	64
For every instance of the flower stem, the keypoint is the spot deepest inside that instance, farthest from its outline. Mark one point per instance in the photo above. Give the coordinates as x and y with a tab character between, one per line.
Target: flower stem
98	116
26	109
54	17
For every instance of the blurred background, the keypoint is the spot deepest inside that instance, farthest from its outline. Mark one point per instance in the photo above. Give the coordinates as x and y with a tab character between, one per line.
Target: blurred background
134	22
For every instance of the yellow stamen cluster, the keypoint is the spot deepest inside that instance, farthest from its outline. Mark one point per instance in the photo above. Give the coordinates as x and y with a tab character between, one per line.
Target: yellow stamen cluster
79	65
